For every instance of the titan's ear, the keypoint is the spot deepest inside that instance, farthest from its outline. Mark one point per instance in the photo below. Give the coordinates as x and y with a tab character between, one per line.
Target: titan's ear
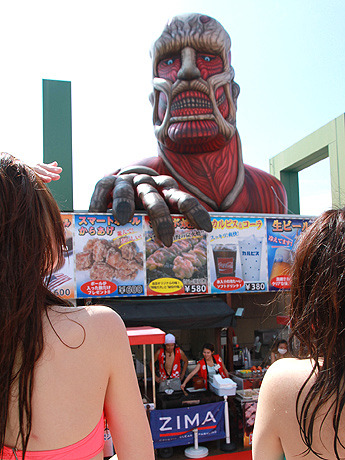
151	98
235	89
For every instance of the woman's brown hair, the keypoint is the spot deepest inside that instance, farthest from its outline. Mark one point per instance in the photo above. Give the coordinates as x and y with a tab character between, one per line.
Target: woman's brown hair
32	242
318	321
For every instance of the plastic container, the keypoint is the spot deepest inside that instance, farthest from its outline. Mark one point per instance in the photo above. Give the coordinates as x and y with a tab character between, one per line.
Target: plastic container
230	391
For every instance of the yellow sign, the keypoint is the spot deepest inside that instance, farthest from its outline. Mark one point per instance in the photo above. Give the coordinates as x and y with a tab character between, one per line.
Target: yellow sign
166	285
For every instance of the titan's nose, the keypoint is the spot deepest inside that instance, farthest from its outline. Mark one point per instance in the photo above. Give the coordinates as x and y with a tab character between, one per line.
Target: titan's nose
188	70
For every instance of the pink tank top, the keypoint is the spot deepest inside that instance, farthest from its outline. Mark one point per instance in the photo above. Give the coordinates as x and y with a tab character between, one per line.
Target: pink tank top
85	449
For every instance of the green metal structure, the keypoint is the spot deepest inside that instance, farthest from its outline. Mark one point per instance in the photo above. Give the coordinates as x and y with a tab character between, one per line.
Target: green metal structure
57	138
328	141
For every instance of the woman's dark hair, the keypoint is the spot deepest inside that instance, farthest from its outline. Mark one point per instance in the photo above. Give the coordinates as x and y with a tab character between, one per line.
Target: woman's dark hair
317	314
208	346
32	241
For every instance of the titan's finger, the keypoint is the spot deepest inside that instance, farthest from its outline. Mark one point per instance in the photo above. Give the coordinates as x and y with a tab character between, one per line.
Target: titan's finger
165	182
158	213
143	179
190	207
123	199
100	196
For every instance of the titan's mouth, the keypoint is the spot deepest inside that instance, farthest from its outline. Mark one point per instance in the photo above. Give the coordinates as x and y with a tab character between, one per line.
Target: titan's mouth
191	105
192	118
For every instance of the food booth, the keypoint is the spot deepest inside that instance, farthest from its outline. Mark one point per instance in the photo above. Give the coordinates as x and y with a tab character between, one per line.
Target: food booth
207	287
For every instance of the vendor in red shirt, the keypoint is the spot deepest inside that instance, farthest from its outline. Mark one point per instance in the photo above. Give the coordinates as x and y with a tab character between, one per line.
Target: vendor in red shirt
207	367
169	361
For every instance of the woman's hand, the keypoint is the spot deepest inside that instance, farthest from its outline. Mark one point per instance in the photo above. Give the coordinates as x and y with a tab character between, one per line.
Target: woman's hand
48	172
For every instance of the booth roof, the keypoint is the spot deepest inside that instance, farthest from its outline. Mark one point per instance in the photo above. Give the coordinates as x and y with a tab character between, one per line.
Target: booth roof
173	312
145	335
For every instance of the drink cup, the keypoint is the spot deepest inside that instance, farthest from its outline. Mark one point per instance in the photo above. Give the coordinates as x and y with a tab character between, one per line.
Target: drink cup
282	263
250	255
225	260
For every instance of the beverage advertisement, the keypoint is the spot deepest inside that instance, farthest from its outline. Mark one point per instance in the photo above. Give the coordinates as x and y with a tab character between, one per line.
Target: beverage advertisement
237	254
109	258
62	280
282	234
181	268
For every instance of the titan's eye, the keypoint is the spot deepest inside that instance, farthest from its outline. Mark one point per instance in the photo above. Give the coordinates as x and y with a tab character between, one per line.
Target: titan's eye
207	58
169	61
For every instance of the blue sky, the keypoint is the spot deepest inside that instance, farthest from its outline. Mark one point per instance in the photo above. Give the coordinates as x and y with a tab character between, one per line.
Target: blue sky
288	56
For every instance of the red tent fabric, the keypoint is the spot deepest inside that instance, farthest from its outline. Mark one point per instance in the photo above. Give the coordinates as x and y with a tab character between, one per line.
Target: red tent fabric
145	335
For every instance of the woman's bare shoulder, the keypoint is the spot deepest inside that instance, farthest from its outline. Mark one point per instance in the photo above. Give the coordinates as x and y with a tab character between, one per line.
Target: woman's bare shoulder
92	313
287	375
97	320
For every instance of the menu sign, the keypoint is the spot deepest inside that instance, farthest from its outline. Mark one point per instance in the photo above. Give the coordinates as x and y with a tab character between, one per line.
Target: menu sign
62	280
238	252
109	258
181	268
281	237
244	253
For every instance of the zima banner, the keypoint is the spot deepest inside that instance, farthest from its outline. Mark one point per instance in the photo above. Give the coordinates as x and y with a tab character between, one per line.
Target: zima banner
109	257
238	252
181	268
174	427
281	238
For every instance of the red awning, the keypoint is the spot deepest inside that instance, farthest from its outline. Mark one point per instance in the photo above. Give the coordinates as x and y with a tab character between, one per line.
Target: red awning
145	335
284	320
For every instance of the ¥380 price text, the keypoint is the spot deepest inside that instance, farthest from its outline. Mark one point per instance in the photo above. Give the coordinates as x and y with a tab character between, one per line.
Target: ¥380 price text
255	286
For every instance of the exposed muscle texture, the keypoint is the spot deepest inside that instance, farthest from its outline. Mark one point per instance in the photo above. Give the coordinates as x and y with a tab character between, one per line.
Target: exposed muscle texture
194	114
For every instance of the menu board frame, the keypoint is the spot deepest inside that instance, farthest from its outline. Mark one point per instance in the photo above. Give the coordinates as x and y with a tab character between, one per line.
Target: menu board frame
242	254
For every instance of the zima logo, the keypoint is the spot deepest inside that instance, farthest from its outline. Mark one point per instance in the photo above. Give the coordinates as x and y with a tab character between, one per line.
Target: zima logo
184	422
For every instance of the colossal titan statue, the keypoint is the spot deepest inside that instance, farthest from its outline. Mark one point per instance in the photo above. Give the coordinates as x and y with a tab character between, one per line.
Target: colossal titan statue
199	165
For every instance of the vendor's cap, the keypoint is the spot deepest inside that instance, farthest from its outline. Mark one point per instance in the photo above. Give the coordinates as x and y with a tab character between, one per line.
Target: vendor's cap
169	338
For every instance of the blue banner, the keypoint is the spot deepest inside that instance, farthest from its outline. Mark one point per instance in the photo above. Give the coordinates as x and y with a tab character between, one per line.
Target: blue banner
174	427
282	234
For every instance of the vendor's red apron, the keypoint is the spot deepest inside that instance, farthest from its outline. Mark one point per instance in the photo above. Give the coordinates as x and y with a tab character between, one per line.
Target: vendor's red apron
176	367
203	368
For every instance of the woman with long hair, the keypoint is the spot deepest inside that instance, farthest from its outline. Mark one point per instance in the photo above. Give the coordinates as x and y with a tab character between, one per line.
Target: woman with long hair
301	403
62	368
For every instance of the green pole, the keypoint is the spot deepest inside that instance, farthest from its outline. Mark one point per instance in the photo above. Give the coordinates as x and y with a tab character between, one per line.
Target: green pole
57	138
290	182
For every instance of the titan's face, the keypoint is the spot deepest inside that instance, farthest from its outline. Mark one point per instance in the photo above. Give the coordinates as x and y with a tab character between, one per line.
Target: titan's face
193	106
193	99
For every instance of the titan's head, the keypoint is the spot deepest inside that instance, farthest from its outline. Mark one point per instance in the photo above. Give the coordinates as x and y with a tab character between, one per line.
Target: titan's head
194	97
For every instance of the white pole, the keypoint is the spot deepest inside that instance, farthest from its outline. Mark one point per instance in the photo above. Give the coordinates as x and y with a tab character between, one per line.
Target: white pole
196	440
226	419
153	375
145	371
196	451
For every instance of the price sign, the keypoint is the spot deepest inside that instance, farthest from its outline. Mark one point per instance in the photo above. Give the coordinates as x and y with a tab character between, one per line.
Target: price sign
135	289
254	287
195	288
